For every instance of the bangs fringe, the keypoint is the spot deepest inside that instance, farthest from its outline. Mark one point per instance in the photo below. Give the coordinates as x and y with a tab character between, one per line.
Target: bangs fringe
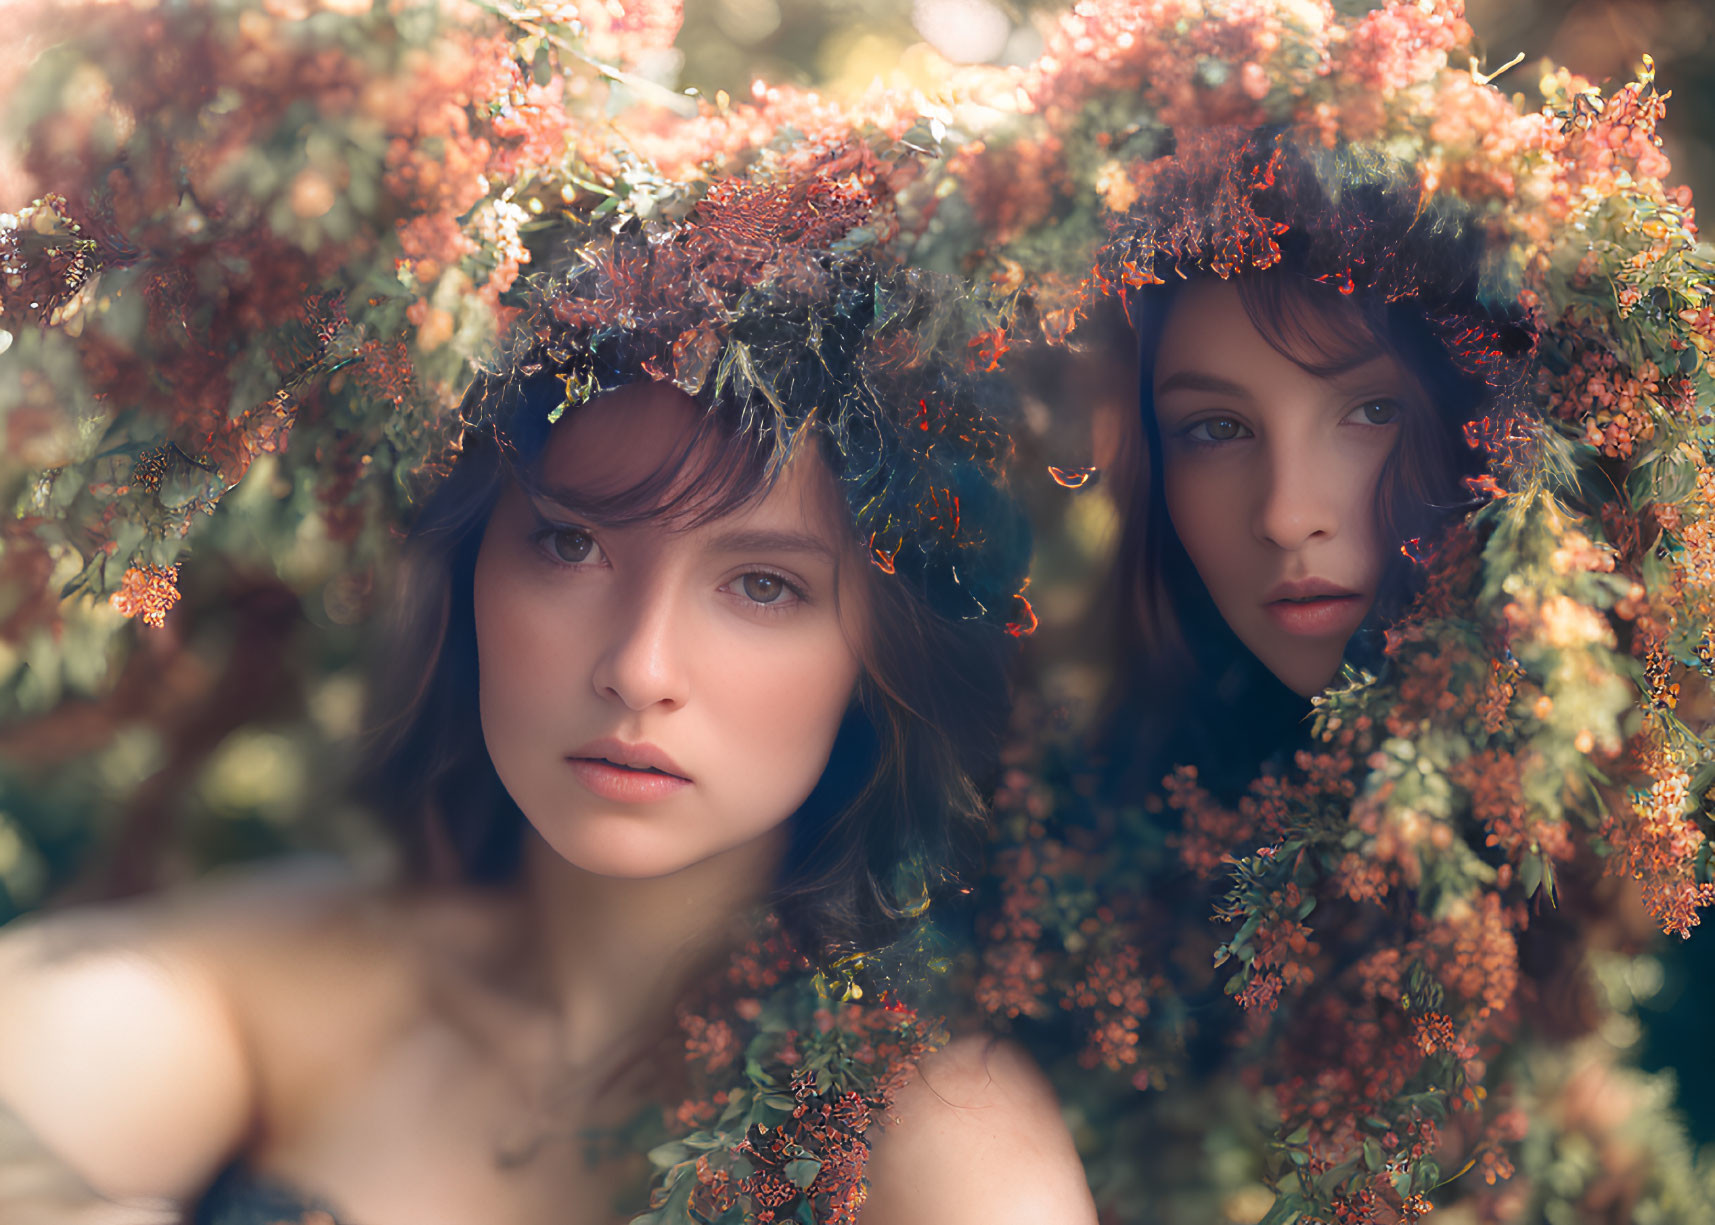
1311	324
714	470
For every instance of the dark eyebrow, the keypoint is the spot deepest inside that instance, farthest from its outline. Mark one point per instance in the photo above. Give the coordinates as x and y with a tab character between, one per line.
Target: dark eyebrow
1361	367
565	497
1197	380
764	541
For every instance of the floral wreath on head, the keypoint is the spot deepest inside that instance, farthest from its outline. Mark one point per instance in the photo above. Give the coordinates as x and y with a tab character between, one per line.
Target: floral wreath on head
1545	702
1228	201
770	297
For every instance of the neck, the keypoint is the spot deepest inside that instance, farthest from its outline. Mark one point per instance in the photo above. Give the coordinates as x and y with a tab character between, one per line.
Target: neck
617	954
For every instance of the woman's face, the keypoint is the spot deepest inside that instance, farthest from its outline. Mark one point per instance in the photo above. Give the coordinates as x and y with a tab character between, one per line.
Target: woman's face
1271	475
652	696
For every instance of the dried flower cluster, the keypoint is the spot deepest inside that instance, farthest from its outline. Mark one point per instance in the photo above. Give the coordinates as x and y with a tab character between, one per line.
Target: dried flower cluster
786	1072
254	229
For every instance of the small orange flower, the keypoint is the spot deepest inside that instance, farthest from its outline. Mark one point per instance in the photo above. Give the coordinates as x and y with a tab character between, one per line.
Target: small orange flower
147	592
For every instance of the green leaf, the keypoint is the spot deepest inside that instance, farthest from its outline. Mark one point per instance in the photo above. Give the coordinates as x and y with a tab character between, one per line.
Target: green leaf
665	1156
855	240
1286	1210
675	1209
1530	874
1675	478
803	1170
924	136
1641	483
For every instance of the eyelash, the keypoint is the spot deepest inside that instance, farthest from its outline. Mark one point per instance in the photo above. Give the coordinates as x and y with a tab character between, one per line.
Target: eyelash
1188	434
1397	406
543	534
773	608
542	537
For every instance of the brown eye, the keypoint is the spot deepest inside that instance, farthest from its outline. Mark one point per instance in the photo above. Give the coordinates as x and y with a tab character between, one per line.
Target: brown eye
762	588
1216	429
1377	412
571	545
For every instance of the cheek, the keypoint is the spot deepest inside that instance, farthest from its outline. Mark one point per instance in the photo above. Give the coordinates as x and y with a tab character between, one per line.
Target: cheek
778	705
1204	508
1361	475
521	648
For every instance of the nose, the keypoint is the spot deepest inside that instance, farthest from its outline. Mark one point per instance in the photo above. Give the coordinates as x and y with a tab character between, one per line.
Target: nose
642	663
1298	498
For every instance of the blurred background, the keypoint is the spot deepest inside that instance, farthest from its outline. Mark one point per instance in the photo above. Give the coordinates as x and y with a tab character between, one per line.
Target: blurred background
726	44
225	732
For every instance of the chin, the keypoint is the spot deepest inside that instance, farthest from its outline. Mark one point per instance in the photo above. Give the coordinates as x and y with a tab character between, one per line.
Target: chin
1306	668
628	846
1306	682
625	848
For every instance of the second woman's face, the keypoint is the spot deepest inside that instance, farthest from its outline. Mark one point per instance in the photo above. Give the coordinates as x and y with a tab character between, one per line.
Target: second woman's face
1271	475
654	695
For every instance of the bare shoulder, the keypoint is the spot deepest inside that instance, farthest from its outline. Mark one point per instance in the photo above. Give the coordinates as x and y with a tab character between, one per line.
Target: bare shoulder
122	1048
977	1138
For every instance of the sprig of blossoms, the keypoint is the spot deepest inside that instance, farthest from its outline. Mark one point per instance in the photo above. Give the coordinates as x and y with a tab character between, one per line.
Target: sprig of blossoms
784	1083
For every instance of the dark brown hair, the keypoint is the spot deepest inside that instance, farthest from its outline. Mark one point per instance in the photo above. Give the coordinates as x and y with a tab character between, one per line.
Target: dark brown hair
1176	654
897	810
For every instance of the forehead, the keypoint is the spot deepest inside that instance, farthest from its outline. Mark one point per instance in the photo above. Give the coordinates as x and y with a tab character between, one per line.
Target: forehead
1210	326
650	452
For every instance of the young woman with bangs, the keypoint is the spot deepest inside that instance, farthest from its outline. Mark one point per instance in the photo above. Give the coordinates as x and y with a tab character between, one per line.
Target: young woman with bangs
1297	435
644	680
1298	439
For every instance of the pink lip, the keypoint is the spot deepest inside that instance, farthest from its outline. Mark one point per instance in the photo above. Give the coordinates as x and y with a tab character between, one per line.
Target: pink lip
1305	589
1315	608
626	773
